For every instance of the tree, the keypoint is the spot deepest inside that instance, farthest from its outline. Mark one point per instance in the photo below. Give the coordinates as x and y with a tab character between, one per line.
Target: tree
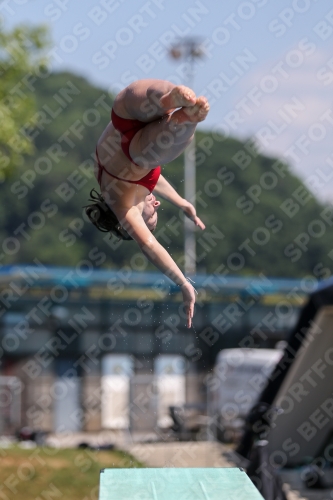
21	57
42	214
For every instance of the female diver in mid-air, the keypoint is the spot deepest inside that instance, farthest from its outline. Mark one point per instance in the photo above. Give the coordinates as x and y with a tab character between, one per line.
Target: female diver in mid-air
152	122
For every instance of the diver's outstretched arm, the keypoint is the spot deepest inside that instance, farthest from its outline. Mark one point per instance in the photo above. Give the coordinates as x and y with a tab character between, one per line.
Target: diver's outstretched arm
134	224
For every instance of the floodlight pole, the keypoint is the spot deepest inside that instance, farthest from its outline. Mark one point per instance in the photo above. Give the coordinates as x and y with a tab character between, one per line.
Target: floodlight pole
189	49
190	255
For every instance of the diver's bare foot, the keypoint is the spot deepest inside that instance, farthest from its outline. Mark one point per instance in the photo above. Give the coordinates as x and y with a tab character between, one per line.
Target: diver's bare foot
192	114
178	97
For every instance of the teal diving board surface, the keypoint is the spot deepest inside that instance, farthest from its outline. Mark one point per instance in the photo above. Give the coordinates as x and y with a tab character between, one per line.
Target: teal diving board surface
177	484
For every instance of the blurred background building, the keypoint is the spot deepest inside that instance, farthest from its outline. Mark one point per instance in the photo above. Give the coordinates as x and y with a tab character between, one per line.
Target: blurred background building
79	351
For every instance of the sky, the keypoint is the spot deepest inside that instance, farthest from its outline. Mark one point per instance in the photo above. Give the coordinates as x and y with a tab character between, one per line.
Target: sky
266	66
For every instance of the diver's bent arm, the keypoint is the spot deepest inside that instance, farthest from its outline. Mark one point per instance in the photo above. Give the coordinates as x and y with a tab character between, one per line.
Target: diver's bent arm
164	189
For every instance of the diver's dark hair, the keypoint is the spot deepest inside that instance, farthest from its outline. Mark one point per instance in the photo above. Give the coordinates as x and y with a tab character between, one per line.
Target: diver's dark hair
101	215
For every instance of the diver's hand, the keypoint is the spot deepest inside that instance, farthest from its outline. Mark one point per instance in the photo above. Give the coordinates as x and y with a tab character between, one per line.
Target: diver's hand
189	301
190	212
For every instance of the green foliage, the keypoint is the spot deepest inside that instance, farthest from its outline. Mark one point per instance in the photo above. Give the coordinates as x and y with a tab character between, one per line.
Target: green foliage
43	214
20	60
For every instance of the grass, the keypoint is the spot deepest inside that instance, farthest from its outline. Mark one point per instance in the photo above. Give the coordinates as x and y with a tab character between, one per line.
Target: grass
47	473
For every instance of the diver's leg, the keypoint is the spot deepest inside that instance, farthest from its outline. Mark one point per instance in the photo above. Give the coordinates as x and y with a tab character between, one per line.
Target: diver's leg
166	138
147	100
